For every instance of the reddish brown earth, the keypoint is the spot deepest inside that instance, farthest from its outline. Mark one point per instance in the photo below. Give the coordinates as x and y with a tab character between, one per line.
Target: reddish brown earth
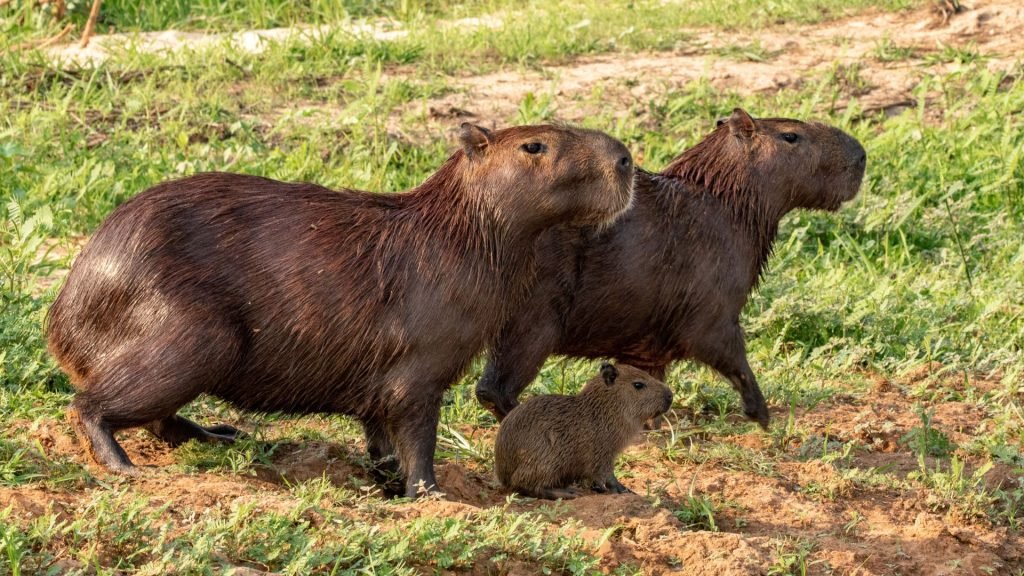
771	500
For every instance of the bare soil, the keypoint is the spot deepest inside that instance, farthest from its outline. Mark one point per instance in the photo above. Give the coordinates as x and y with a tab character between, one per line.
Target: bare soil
773	501
788	56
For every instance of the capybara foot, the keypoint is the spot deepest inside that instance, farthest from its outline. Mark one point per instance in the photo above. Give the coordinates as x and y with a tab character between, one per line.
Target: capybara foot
226	430
758	412
615	486
177	430
97	439
556	493
387	474
494	403
422	487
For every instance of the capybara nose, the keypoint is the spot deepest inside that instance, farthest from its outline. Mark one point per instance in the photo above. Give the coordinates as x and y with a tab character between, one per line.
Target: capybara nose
625	163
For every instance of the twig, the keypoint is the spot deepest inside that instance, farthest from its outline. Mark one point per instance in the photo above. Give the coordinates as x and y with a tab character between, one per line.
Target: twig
53	40
960	246
41	43
90	24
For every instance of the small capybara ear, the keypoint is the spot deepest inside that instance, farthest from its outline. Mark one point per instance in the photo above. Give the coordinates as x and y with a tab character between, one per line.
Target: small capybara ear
475	139
741	124
609	373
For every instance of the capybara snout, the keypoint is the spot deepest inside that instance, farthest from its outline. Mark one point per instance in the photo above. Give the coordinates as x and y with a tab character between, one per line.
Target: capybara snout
588	173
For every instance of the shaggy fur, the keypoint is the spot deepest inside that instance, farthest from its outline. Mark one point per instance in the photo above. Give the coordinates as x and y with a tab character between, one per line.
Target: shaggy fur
294	298
668	280
552	442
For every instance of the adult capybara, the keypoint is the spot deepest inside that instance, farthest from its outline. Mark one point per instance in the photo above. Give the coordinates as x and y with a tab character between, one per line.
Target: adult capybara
551	442
668	280
294	298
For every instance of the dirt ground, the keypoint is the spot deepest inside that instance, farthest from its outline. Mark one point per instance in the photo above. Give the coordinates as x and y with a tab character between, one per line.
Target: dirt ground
794	53
796	502
849	527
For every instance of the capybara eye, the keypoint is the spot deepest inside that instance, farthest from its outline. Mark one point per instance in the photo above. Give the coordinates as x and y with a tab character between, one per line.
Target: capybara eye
789	137
639	385
533	148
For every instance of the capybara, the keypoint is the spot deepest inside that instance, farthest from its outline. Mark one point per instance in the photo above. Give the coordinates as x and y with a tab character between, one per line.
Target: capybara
289	297
668	280
551	442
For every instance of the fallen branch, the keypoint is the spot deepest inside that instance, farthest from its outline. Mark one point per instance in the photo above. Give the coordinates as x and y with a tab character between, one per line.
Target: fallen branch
90	24
60	36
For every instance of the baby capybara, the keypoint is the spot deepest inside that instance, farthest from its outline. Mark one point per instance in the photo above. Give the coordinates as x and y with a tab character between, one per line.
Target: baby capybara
551	442
294	298
669	279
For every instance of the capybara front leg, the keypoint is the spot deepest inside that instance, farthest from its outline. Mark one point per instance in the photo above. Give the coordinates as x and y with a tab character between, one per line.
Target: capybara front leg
97	438
515	361
383	462
176	430
415	437
729	358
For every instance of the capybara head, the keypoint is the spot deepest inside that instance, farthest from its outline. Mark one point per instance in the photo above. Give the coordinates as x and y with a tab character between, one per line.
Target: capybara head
641	396
795	164
561	173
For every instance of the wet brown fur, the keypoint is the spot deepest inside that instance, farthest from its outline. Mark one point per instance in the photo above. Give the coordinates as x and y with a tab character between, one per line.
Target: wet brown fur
293	298
551	442
668	280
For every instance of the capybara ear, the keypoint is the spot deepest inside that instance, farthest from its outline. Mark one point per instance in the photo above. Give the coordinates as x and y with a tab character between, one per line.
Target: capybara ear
475	139
741	124
609	373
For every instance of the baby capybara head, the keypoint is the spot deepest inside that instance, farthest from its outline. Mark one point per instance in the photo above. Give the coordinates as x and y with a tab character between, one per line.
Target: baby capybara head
641	396
563	174
796	164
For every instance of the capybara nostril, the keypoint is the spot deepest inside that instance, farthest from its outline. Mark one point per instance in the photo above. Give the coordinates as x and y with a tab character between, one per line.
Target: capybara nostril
625	163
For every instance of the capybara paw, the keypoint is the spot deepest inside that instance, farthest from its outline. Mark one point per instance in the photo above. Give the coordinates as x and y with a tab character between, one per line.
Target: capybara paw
758	413
615	486
226	431
559	493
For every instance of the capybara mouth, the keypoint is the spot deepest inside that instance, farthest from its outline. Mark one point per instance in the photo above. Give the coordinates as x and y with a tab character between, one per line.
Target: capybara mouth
654	423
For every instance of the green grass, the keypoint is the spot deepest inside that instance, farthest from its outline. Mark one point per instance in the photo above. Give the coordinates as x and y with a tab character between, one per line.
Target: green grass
926	265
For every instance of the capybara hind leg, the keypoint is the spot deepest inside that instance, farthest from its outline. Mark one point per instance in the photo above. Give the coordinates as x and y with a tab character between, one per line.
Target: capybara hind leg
176	430
98	440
